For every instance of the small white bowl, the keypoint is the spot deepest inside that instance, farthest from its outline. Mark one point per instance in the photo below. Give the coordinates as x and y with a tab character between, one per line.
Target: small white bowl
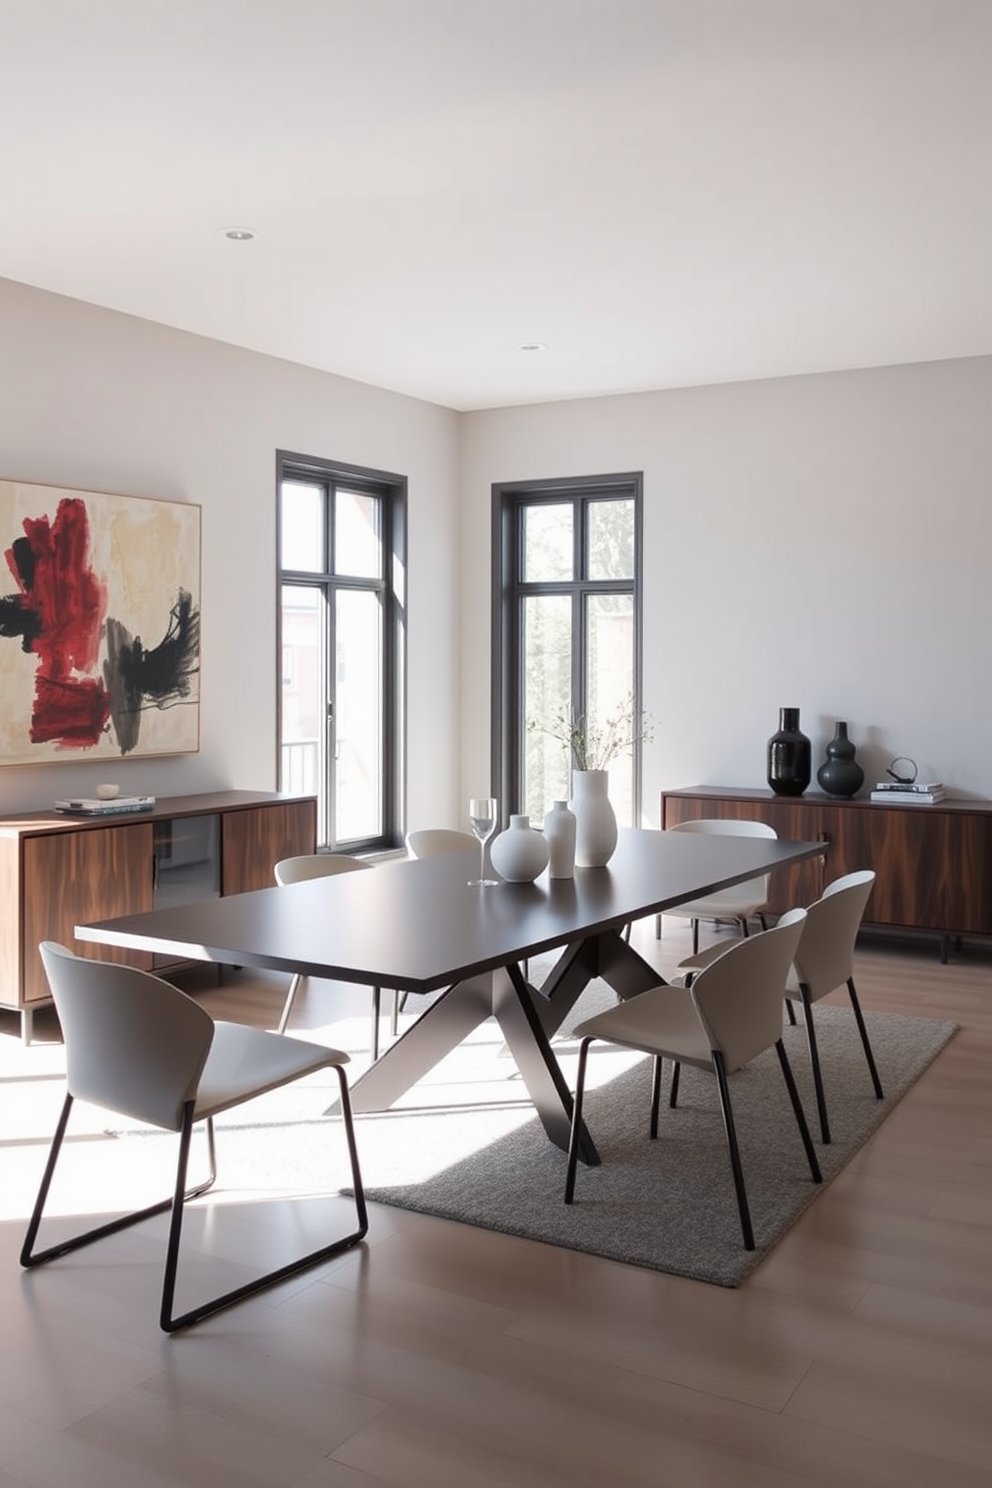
107	792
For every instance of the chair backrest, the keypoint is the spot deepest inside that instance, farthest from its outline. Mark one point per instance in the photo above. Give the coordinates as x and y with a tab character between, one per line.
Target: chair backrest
316	865
428	842
739	997
725	826
731	826
133	1043
825	957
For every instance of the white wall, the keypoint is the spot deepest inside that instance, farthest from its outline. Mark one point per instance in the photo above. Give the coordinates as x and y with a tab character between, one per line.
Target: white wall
101	401
819	542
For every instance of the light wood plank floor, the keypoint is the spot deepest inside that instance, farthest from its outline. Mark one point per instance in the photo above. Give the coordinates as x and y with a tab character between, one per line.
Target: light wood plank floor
439	1356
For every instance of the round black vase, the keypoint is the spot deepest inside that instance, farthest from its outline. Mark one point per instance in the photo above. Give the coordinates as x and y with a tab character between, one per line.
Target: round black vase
789	758
840	774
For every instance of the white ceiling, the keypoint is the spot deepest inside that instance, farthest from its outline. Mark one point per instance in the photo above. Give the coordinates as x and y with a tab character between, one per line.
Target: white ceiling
664	192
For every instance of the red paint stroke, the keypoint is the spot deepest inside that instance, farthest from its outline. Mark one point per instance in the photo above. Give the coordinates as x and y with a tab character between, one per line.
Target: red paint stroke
68	600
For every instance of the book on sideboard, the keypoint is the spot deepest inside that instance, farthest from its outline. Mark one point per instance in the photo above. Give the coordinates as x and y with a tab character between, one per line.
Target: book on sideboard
908	797
94	806
917	787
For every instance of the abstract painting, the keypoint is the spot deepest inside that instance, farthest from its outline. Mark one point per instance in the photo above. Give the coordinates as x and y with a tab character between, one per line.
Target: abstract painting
99	625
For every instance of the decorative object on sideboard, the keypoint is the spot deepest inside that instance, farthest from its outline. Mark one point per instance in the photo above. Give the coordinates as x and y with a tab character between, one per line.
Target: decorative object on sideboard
595	821
902	770
520	853
559	834
840	774
789	756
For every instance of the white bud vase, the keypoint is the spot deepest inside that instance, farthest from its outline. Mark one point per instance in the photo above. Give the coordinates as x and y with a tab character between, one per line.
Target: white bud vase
559	834
595	823
520	853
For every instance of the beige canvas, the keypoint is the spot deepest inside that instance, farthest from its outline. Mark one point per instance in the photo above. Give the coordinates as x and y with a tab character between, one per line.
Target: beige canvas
99	625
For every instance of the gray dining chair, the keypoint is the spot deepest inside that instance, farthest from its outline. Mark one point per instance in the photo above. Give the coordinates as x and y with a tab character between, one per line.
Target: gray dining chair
428	842
140	1047
736	904
731	1013
309	866
824	962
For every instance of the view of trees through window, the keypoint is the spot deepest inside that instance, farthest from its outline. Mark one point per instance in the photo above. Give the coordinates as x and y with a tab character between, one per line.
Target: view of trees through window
570	638
338	653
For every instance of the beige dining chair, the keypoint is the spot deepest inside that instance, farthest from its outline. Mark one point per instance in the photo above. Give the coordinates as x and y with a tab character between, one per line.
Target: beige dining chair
736	904
824	961
138	1046
326	865
731	1013
428	842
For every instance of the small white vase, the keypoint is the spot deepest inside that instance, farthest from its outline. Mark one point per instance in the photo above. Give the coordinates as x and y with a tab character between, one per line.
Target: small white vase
595	823
520	853
559	834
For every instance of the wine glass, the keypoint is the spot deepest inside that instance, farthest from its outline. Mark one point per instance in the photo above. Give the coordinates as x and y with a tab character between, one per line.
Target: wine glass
482	815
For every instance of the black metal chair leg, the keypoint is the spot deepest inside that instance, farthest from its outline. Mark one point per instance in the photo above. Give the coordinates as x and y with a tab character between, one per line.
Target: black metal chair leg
673	1094
791	1011
800	1114
745	928
655	1095
374	1038
859	1019
814	1059
695	937
576	1127
169	1323
733	1149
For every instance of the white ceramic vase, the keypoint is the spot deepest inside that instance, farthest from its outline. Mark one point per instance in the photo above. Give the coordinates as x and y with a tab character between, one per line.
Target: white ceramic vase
520	853
595	822
559	834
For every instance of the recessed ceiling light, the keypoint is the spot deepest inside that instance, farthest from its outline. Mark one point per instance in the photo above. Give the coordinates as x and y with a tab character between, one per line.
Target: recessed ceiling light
534	346
239	234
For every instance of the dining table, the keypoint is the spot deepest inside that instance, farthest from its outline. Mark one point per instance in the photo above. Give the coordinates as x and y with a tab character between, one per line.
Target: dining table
420	926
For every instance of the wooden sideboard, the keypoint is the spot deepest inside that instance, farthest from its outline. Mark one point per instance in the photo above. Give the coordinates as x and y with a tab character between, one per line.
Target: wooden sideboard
58	871
933	863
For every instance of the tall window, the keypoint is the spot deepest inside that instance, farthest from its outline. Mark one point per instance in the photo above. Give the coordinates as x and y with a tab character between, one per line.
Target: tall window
567	591
341	565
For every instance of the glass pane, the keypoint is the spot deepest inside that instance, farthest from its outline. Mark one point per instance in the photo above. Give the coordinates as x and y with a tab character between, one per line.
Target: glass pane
610	689
303	741
548	554
358	716
611	539
547	681
357	546
301	533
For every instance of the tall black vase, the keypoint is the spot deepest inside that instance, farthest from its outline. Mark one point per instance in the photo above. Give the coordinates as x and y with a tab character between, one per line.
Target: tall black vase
840	774
789	759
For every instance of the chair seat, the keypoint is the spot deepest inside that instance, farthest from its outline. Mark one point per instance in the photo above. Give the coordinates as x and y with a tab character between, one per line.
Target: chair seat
727	905
635	1024
244	1062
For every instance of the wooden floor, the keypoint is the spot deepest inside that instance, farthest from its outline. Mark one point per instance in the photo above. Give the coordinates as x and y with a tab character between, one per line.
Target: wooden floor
440	1356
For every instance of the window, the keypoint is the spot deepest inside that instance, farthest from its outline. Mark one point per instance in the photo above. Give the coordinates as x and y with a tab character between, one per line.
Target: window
341	563
567	628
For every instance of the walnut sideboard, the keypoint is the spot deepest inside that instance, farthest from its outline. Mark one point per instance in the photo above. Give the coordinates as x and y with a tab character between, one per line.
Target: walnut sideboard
933	863
58	871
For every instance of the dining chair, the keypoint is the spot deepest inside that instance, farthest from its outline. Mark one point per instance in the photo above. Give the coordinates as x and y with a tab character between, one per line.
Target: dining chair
140	1047
737	903
326	865
428	842
824	961
731	1013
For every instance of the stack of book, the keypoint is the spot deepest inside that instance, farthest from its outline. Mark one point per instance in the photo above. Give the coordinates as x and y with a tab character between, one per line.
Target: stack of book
902	793
92	806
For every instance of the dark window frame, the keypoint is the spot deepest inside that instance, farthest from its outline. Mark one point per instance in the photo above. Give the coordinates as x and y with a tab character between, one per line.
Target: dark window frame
507	724
392	490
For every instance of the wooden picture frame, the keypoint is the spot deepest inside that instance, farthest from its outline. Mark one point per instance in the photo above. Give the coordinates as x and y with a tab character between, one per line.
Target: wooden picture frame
99	625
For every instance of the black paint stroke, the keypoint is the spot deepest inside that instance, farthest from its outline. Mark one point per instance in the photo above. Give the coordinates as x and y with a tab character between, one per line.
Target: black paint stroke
136	678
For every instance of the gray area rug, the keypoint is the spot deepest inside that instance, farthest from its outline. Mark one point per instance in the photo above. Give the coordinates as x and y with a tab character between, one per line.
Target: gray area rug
465	1143
670	1204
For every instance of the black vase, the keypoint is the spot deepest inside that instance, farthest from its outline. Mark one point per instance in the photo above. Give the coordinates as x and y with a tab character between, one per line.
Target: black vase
840	774
789	758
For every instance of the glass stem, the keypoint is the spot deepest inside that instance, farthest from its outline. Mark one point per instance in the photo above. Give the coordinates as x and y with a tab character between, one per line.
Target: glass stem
482	859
